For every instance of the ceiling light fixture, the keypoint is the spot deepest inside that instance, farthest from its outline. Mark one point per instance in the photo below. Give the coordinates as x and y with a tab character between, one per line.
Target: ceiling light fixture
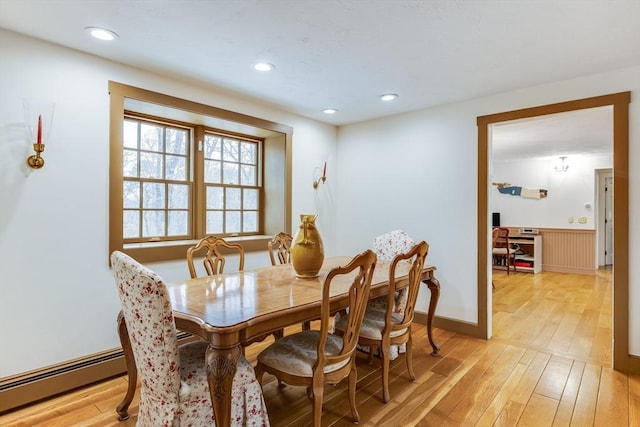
562	165
101	33
329	111
388	97
263	66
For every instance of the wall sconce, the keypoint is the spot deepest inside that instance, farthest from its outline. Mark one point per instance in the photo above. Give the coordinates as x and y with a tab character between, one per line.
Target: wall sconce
322	178
562	165
38	115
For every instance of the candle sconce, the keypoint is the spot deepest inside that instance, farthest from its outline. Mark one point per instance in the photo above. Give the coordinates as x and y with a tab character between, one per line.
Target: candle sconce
322	178
35	161
38	116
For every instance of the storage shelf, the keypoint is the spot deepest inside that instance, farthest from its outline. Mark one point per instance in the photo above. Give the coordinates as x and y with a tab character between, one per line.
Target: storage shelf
532	246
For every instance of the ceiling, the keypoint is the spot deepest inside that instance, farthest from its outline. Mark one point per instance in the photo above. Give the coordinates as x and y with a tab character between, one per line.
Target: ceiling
588	131
343	54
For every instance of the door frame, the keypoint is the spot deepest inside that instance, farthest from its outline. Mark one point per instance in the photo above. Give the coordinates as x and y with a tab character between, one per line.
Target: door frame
620	277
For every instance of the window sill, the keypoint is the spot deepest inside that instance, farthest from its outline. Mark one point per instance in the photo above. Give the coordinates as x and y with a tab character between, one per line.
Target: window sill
177	249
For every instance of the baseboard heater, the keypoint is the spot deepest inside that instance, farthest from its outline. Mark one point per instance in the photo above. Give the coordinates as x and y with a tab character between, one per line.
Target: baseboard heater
29	387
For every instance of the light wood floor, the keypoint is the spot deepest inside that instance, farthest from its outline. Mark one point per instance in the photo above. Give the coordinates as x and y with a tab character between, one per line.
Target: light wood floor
547	365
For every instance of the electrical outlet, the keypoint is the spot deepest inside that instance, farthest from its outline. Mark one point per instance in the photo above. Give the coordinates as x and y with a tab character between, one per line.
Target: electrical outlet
570	220
582	220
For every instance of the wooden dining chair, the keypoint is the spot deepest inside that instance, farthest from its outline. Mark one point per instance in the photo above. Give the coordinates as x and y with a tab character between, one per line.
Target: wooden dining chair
214	261
280	248
280	253
384	328
387	246
501	248
318	357
174	389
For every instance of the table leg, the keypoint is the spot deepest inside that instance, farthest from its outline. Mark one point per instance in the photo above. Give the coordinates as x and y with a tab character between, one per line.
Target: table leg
132	371
434	287
221	368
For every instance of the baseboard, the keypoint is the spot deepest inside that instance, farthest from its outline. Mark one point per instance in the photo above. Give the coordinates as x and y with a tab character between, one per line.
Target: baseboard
29	387
634	364
572	270
448	324
32	386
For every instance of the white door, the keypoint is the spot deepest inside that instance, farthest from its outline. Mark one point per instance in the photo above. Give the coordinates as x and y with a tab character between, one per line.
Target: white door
608	220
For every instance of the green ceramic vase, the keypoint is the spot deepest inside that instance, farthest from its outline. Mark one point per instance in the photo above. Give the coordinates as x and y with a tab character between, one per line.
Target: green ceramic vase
307	251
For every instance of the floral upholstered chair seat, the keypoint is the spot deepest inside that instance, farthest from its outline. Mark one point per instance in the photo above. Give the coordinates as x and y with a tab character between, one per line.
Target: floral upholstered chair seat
174	386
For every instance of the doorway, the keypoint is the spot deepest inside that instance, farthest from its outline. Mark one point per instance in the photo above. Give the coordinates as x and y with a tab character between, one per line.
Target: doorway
620	103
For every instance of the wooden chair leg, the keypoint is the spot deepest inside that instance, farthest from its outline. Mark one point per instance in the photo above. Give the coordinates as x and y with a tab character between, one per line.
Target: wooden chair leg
258	372
317	405
409	356
132	370
353	380
385	350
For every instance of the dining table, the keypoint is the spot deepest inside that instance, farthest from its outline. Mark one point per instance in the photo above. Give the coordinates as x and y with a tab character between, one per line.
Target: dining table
231	309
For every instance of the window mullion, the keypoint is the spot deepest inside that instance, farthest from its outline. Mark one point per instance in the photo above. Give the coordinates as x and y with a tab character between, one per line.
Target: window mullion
198	200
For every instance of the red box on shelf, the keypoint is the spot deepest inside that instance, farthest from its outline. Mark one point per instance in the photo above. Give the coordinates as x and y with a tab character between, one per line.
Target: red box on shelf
523	264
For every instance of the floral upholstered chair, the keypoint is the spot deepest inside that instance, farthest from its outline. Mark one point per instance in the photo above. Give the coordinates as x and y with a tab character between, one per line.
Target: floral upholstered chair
174	387
387	247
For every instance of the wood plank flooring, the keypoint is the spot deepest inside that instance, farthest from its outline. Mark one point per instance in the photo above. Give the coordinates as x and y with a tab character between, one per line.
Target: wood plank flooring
547	365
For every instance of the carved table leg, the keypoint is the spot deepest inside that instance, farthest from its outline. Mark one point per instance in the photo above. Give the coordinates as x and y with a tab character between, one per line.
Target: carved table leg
132	370
221	368
434	287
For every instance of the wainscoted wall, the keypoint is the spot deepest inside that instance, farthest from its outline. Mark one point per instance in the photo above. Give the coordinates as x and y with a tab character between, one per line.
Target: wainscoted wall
567	250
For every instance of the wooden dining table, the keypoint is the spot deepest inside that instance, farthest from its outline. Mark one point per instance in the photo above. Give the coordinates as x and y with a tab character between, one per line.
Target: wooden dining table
231	309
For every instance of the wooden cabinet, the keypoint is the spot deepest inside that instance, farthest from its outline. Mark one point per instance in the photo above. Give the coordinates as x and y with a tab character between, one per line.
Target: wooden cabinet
528	256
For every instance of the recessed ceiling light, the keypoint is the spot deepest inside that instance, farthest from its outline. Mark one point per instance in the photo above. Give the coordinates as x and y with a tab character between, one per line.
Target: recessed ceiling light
329	111
101	33
263	66
388	97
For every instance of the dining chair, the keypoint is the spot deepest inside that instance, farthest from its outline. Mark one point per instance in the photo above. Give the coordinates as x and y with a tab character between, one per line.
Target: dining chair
214	261
280	253
280	248
387	246
501	249
384	328
318	357
174	386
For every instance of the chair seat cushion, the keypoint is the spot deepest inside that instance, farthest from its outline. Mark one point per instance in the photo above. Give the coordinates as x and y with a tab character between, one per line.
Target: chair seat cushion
247	403
502	251
399	304
373	323
296	353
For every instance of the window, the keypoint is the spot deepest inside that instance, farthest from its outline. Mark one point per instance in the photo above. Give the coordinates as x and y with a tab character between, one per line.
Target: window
180	170
156	181
231	179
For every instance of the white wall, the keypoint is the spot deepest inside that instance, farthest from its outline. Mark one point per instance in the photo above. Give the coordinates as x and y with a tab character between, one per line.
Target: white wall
418	172
57	295
568	192
415	171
